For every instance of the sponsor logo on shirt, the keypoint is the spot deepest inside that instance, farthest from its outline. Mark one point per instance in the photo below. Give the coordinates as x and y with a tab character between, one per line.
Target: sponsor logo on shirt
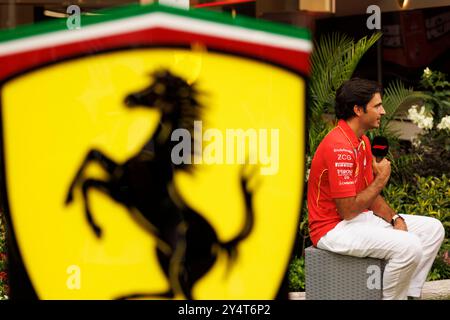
345	157
343	172
343	150
342	183
344	164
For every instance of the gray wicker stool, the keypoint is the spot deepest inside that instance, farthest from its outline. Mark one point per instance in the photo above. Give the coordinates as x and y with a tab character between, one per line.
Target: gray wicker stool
331	276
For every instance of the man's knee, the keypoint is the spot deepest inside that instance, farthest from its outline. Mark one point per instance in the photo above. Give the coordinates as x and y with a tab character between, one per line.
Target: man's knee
411	251
438	229
432	227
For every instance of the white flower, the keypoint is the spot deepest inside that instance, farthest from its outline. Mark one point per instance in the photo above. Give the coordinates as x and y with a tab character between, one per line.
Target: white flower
426	123
416	143
307	174
422	119
444	124
412	113
427	72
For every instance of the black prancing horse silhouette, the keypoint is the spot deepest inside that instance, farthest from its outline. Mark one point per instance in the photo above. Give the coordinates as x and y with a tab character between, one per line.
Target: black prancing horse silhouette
187	245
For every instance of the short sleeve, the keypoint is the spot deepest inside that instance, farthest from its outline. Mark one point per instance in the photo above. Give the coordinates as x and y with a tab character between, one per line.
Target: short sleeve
340	162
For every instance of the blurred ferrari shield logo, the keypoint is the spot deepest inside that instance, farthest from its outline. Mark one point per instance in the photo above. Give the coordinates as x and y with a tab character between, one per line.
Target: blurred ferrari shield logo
100	209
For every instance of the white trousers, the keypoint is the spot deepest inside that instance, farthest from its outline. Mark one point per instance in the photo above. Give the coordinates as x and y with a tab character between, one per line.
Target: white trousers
409	255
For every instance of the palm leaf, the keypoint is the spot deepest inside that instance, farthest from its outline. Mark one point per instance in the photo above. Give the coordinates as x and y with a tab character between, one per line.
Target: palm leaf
395	95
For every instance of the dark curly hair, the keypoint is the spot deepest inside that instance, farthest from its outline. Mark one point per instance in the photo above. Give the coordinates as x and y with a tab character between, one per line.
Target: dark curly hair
353	92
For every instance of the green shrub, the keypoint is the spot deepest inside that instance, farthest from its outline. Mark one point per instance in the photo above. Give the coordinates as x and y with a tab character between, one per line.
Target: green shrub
427	196
431	113
433	149
436	91
3	275
441	266
296	274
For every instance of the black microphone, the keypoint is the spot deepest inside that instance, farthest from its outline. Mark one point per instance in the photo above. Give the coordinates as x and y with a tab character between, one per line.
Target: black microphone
380	147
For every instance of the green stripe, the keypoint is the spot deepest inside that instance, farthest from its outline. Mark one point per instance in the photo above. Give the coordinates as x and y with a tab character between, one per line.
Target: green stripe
136	10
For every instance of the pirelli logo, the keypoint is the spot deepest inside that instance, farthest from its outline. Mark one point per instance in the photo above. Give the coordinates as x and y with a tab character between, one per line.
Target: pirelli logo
344	165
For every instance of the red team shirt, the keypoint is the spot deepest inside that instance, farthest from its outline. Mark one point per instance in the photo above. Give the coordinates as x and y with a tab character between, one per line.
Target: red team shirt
341	168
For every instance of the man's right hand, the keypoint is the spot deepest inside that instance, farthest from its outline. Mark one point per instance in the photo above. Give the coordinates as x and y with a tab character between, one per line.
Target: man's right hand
382	168
350	207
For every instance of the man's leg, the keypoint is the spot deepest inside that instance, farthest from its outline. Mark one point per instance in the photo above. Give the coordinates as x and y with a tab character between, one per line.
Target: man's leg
369	236
431	234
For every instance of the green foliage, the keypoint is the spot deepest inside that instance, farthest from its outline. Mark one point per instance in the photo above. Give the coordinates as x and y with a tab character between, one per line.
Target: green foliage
395	94
436	93
432	146
441	266
333	61
433	150
2	236
296	274
402	169
428	196
3	275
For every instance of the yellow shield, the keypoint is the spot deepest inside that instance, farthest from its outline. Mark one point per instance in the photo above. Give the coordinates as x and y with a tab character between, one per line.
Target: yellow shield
53	116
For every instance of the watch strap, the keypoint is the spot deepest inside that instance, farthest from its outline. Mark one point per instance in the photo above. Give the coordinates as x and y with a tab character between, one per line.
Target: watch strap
394	218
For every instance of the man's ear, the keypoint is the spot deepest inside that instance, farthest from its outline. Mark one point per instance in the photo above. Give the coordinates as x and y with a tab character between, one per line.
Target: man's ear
358	110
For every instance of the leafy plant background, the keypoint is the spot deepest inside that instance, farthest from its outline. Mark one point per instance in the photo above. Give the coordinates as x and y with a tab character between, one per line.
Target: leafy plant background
4	288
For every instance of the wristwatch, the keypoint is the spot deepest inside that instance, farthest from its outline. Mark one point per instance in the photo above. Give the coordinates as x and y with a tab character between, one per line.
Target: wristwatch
395	217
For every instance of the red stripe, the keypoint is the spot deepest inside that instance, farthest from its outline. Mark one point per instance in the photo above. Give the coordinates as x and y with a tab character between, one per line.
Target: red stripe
292	59
380	147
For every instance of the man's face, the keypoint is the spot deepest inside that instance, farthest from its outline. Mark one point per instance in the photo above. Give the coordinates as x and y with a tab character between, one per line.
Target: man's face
374	111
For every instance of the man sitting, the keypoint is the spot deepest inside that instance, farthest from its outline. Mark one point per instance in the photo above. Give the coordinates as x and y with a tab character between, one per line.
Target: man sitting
347	214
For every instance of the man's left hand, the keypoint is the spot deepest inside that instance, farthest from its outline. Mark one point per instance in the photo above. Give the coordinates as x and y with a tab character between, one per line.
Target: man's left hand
400	224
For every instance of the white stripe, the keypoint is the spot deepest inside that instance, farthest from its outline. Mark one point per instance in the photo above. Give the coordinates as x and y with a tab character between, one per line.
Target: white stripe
153	20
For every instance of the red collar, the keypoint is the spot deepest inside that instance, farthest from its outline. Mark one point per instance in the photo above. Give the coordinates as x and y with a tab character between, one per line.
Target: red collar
348	133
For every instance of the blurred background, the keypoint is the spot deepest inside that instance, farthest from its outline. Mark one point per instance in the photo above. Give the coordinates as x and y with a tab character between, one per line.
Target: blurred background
416	33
